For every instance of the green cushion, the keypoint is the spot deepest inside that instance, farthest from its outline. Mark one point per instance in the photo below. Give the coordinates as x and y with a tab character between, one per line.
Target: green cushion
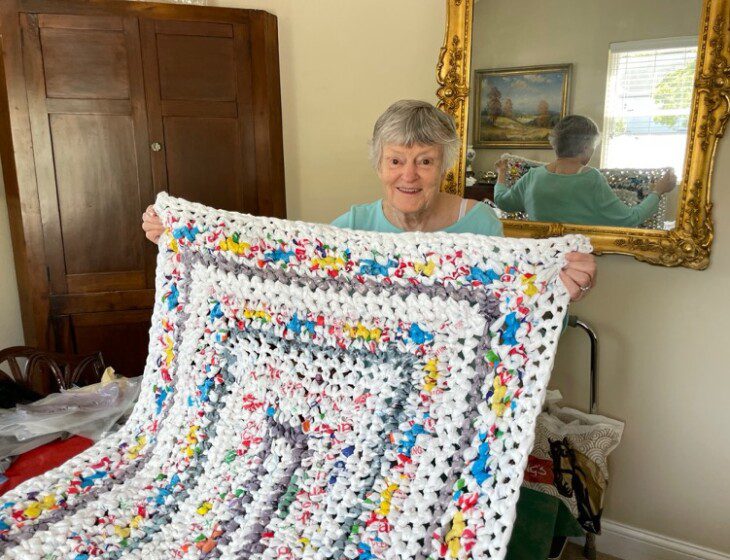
539	518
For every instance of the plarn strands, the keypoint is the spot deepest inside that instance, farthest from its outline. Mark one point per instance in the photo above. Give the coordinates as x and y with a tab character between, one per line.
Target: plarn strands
313	392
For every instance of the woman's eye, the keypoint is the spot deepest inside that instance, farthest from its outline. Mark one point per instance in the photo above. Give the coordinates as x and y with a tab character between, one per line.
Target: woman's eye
426	162
394	161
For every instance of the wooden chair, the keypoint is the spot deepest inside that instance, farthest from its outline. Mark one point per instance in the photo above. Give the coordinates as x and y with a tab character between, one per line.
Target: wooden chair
36	369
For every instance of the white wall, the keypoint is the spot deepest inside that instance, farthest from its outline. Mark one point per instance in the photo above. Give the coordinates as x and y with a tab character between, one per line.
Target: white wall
11	328
664	332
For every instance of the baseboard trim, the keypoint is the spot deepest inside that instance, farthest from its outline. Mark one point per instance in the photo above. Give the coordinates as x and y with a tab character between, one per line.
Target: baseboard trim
630	543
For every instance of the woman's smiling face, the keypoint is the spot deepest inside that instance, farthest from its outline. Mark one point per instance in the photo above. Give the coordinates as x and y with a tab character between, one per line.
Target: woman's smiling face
411	176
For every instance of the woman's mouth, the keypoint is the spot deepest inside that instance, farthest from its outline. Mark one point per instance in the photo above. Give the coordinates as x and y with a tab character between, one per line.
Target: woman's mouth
409	190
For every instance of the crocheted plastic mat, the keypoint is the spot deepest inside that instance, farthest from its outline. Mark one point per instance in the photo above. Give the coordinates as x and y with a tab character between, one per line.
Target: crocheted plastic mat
313	392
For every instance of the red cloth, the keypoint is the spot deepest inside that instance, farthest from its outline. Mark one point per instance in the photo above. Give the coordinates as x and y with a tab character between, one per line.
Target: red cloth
42	459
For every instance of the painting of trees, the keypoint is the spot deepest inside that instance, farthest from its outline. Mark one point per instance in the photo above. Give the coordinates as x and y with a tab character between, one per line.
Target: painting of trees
494	103
508	110
543	114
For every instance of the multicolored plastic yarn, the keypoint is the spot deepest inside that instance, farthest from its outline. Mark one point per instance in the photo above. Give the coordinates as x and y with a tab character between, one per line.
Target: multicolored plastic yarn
313	392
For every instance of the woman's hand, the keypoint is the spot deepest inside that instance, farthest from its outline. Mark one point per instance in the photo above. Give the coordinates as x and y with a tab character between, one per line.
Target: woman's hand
666	183
579	274
152	224
501	167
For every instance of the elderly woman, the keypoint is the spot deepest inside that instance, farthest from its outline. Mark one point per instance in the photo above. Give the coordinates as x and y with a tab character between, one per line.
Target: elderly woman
413	145
569	191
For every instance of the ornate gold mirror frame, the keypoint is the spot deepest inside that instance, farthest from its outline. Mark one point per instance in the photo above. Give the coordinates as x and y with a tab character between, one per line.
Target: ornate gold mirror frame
688	244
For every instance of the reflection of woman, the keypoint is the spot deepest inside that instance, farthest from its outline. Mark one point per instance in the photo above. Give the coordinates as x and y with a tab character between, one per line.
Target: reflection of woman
569	191
413	145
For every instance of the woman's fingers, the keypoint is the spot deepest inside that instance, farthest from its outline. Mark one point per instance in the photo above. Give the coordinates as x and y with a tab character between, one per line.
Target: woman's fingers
580	277
576	288
572	287
152	224
667	182
579	274
152	230
584	262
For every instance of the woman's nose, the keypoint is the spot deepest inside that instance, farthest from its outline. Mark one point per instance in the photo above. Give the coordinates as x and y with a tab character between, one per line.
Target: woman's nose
410	172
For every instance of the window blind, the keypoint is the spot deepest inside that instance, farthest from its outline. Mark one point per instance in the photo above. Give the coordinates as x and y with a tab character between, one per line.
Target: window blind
648	97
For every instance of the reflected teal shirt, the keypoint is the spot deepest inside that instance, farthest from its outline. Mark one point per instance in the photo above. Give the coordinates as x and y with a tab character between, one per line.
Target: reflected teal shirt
481	220
582	198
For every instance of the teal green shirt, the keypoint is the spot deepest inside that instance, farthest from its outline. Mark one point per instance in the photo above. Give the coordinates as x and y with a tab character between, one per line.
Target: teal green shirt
583	198
481	220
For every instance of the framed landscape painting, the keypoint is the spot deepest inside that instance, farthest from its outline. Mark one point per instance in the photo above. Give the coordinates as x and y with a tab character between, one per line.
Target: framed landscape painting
517	107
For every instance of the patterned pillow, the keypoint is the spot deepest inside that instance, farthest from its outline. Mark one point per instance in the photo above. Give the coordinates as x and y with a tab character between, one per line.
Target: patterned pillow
517	166
313	392
630	185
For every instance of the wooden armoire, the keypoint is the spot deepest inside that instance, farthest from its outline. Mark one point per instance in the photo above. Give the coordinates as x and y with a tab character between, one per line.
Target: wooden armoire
104	104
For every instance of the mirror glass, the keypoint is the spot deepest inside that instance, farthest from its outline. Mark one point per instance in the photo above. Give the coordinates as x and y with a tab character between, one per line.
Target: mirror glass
624	69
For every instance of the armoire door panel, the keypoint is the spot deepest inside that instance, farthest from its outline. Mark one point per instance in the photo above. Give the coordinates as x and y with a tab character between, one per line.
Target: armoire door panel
201	160
196	68
98	193
85	64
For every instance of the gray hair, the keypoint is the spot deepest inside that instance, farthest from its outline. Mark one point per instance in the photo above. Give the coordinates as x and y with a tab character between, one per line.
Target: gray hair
408	122
574	135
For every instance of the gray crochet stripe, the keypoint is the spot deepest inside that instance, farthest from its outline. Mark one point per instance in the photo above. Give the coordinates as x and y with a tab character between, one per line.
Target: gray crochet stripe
393	420
251	544
482	297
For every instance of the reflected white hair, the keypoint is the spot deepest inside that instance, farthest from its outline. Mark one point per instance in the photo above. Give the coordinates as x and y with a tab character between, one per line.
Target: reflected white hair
408	122
574	135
